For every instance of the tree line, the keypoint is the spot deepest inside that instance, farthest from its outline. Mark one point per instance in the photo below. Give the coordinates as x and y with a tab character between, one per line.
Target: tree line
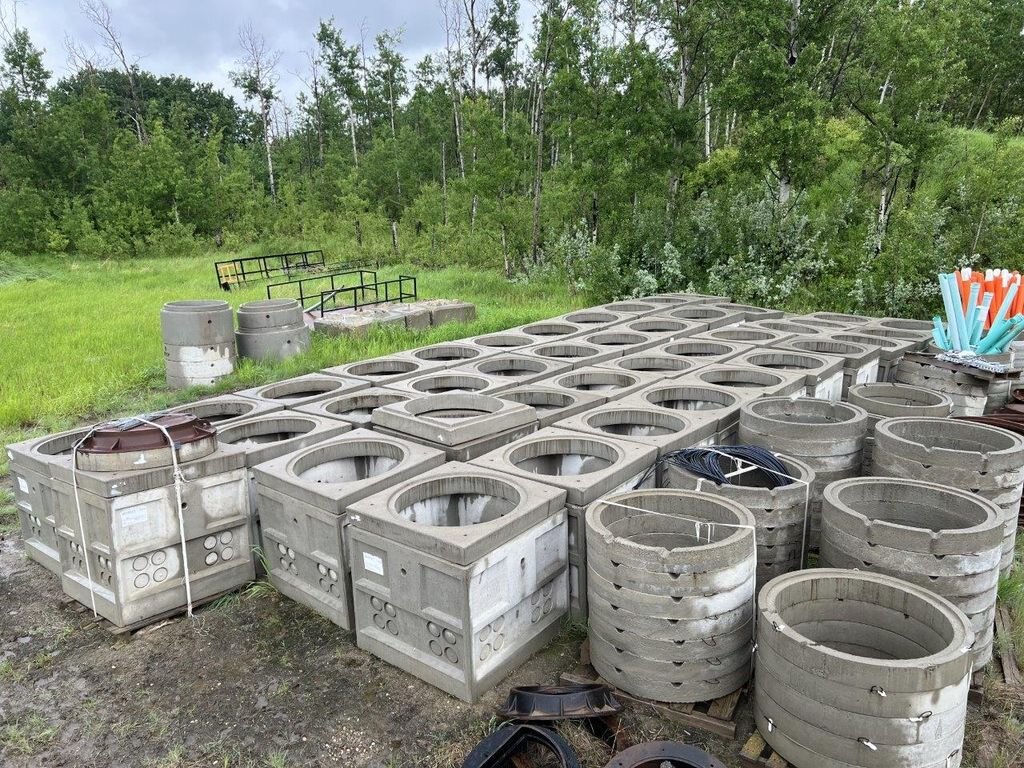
775	149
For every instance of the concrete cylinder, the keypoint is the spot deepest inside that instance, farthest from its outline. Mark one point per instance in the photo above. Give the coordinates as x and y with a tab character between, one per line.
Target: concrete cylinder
670	583
883	401
199	342
779	513
271	330
938	537
827	436
861	670
985	460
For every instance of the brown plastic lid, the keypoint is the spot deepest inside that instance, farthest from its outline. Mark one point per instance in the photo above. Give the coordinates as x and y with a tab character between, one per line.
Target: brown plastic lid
131	435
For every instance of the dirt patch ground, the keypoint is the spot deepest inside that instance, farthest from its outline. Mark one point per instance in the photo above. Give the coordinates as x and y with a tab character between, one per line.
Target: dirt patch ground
256	680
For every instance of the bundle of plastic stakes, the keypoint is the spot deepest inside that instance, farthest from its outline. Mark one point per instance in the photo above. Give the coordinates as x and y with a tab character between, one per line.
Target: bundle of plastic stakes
983	314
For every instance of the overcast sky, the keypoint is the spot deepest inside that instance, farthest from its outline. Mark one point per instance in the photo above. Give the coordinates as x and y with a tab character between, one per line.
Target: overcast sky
199	38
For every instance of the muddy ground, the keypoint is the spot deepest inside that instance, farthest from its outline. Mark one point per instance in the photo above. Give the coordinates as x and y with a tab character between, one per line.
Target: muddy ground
253	680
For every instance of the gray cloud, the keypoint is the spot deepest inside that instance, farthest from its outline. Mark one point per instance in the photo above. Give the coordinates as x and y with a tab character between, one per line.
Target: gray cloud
199	38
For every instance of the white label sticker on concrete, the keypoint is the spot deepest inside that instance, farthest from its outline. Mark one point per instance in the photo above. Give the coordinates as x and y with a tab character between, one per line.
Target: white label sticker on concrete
22	485
373	564
134	516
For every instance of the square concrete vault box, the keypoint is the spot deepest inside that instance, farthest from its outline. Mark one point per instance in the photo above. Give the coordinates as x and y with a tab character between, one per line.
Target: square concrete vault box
593	319
121	544
29	464
707	402
572	352
745	333
838	317
514	369
547	331
705	316
789	326
451	380
462	425
653	363
746	378
664	328
622	340
649	425
448	354
608	383
824	373
897	331
274	434
587	467
356	408
381	371
552	404
226	409
304	497
304	389
823	325
890	351
688	298
459	575
503	341
750	313
860	361
635	307
702	351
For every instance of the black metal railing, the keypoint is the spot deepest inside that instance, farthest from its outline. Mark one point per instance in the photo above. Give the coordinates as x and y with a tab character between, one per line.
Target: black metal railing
400	289
232	272
314	286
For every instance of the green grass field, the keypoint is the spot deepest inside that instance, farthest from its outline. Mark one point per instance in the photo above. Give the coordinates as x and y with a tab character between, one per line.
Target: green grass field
81	339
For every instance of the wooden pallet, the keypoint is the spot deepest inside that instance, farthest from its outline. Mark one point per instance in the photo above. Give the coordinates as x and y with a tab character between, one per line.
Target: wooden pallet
716	716
756	753
79	608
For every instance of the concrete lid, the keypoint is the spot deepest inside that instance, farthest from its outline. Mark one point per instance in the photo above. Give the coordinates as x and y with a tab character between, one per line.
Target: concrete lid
380	371
275	434
459	512
913	515
333	473
454	418
961	445
586	466
665	429
793	601
301	390
355	408
551	404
